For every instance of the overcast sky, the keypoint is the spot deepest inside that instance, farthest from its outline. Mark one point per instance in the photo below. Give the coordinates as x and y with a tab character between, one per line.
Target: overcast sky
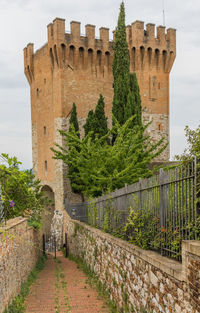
24	21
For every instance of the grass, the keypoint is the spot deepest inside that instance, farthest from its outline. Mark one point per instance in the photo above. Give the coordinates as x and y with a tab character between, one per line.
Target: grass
18	305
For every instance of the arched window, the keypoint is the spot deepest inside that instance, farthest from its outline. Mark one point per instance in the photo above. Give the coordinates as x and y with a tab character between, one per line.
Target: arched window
55	53
90	57
63	51
107	55
133	57
99	54
81	57
157	55
142	51
71	54
164	59
149	52
51	57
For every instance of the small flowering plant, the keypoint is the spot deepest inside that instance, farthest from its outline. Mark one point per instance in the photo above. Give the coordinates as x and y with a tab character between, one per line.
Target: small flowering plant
12	203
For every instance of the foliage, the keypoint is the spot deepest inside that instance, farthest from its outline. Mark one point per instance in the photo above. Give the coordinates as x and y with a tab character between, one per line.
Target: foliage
21	192
126	101
101	168
133	105
140	227
193	141
120	68
73	119
17	305
96	122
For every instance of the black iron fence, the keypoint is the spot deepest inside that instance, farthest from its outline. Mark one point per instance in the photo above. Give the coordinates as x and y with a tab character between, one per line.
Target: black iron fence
169	198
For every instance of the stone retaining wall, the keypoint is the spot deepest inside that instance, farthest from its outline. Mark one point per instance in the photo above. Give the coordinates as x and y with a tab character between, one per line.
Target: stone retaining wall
20	247
137	278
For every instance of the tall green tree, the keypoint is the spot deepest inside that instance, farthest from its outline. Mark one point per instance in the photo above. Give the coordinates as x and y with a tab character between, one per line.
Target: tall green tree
133	105
121	66
73	127
96	121
100	126
73	119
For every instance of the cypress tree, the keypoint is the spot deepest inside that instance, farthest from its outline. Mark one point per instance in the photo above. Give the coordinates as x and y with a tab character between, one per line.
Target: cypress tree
73	126
73	119
89	125
133	105
120	68
100	125
97	121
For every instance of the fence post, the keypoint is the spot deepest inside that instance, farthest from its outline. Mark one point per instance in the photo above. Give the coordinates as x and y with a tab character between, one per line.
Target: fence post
66	246
161	197
1	206
43	244
161	201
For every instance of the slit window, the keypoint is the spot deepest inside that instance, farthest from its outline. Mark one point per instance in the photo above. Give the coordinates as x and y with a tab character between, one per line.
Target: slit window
45	130
37	92
45	166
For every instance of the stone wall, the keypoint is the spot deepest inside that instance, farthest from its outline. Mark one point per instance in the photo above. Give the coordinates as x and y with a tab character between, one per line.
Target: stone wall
137	278
19	251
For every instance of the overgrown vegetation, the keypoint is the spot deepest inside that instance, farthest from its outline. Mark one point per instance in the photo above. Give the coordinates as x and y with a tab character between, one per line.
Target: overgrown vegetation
102	168
17	305
21	192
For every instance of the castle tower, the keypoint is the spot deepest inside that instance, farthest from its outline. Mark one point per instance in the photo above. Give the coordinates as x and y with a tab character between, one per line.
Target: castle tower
71	68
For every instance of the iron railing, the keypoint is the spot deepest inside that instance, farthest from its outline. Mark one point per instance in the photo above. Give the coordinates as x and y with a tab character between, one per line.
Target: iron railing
170	196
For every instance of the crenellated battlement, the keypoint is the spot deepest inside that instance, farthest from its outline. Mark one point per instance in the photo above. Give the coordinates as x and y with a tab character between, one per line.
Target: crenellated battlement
149	48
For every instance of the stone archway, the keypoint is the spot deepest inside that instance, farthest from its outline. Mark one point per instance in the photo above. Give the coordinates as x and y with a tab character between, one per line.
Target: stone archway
48	214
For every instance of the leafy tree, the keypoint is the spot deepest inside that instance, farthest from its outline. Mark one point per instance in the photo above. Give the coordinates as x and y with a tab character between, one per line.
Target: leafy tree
102	168
121	66
193	142
21	192
73	118
96	121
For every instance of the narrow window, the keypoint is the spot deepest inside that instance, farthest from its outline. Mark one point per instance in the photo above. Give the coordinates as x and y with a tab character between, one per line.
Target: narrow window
90	57
149	55
133	57
107	54
157	55
45	130
45	81
99	58
63	51
45	166
142	51
37	92
81	57
71	54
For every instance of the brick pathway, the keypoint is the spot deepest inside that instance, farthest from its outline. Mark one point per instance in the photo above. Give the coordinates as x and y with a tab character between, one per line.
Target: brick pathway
61	288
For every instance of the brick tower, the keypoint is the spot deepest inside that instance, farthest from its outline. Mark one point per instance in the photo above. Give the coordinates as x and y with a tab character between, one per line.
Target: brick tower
71	68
